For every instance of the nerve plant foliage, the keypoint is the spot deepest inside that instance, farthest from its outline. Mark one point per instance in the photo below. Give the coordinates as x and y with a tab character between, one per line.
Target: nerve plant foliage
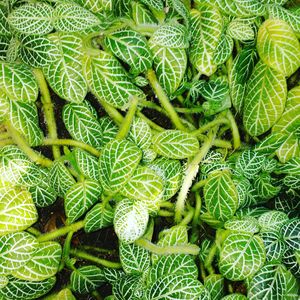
205	209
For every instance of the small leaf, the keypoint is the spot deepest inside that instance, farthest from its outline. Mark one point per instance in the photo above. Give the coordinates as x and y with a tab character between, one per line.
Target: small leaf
117	163
214	283
69	17
113	276
240	30
291	233
130	220
242	255
175	144
277	46
243	224
80	197
223	49
109	129
272	221
220	195
127	286
140	133
289	149
32	18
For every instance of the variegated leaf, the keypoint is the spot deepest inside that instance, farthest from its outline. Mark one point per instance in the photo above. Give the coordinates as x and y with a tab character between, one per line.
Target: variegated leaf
4	26
4	46
65	74
272	221
127	286
242	255
206	28
80	197
243	224
291	259
291	233
18	82
214	283
271	143
289	149
140	133
265	99
96	6
117	163
109	129
223	49
32	18
278	46
239	30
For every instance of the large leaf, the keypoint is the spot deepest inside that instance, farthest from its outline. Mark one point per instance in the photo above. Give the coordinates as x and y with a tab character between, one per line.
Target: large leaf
24	118
278	46
108	80
117	163
4	26
131	48
289	149
214	283
65	74
86	279
4	46
69	17
223	49
242	255
220	195
81	124
273	282
26	290
42	265
18	82
206	28
175	144
291	233
32	18
265	99
16	249
17	211
134	259
130	220
80	197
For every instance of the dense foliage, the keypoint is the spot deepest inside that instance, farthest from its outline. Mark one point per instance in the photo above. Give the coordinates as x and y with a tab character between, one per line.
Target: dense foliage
172	126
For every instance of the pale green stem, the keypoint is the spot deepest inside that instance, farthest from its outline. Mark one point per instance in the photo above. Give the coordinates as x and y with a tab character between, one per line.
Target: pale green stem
112	112
210	125
24	146
47	108
235	131
165	213
166	250
6	142
61	231
96	260
197	209
66	251
33	231
222	144
191	172
188	218
164	101
99	250
209	259
150	123
126	124
69	142
4	135
199	185
167	204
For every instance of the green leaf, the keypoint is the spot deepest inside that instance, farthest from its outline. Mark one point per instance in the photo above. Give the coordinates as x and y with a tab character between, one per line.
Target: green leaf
16	249
291	167
60	178
69	17
64	75
175	144
32	18
170	171
80	197
272	221
291	233
26	290
220	195
87	164
86	279
17	210
3	281
140	133
4	26
132	48
223	49
175	287
241	70
291	261
98	217
264	187
134	259
239	30
117	163
81	124
206	28
37	51
42	265
113	275
242	255
18	82
289	149
277	46
235	296
43	195
64	294
155	4
127	287
243	224
108	80
130	220
24	118
176	264
290	119
214	283
109	129
273	281
271	143
265	99
181	8
4	46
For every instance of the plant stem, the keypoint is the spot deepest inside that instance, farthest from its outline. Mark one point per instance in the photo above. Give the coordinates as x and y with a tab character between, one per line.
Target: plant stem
6	142
112	112
197	209
164	101
99	250
24	146
165	250
166	204
4	135
222	144
97	260
209	259
126	124
69	142
165	213
191	172
66	251
47	108
150	123
210	125
235	131
33	231
188	218
61	231
199	185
